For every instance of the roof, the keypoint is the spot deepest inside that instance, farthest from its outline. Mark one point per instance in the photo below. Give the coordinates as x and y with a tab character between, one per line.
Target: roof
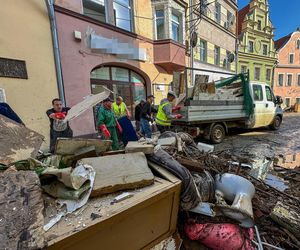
282	41
241	16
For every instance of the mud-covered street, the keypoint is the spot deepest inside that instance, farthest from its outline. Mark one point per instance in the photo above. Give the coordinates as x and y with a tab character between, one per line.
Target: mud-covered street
265	142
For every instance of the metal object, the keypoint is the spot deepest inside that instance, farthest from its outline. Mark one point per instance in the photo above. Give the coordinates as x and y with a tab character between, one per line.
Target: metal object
204	208
238	190
260	246
60	85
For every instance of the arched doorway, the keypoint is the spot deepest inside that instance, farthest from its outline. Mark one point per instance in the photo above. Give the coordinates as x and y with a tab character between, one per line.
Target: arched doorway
122	81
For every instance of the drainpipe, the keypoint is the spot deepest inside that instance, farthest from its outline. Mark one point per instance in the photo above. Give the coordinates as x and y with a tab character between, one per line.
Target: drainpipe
191	47
60	85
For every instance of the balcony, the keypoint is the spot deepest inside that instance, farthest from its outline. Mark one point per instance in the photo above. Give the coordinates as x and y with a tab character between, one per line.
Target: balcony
170	55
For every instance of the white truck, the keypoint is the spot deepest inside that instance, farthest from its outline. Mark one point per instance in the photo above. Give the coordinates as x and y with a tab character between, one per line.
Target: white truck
233	102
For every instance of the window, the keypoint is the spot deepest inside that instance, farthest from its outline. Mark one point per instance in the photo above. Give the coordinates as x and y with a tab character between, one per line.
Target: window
94	9
160	24
298	44
291	58
175	27
244	69
230	20
298	100
227	62
258	93
218	12
298	80
287	101
257	74
251	47
265	49
259	24
120	74
280	80
100	73
217	55
123	14
203	51
269	94
289	80
268	74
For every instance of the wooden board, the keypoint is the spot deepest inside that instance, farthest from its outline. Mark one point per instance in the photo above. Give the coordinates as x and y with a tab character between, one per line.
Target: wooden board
119	172
21	211
69	146
17	142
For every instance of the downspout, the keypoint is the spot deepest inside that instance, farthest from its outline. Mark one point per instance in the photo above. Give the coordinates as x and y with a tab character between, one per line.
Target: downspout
60	85
191	47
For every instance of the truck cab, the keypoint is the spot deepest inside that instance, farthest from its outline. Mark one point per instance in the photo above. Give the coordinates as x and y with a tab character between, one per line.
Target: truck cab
267	110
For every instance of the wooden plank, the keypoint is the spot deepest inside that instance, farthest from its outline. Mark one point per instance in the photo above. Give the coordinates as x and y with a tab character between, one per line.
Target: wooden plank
119	172
21	211
134	146
17	141
69	146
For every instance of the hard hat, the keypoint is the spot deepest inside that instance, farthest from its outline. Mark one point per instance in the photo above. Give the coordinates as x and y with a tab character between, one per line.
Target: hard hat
172	93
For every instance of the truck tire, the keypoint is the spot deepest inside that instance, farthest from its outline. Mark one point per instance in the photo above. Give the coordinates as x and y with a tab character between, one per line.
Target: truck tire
217	134
276	123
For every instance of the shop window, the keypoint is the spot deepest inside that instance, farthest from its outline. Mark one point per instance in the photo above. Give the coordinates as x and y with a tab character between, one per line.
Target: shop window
257	74
160	24
268	74
258	93
217	55
280	79
100	73
120	74
94	9
203	51
123	14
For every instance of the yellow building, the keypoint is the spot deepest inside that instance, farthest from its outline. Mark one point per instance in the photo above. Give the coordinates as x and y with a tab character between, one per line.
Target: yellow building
28	81
215	53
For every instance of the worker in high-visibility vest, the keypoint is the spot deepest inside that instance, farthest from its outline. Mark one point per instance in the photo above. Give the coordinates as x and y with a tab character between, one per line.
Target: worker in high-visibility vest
165	113
120	109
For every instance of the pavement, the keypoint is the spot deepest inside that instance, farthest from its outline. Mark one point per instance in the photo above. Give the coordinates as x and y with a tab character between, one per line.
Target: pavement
263	142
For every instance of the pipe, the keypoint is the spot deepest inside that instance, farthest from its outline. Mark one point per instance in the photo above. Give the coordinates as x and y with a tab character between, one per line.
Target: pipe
191	47
60	85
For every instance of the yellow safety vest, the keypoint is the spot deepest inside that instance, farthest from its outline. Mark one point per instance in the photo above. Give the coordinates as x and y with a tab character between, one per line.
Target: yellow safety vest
119	110
161	117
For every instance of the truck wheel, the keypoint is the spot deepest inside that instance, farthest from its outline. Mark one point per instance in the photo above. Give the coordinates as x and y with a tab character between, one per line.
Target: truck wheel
217	134
276	123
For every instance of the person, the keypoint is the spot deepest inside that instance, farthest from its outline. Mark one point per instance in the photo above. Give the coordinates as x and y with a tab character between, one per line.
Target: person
146	117
58	127
165	113
108	124
137	115
120	109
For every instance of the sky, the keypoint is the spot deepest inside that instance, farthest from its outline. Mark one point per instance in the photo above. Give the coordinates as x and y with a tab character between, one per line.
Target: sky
285	15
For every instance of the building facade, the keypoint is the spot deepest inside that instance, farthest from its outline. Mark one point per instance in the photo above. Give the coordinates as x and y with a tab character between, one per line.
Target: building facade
130	47
256	46
287	72
217	34
27	69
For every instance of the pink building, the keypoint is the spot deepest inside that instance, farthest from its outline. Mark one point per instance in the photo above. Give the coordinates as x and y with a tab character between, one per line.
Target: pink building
287	72
128	48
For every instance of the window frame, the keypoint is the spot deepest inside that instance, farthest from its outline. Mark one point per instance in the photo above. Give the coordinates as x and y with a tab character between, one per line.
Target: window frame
261	97
293	56
131	14
268	76
298	80
179	16
164	23
205	50
259	27
90	16
218	13
278	83
250	49
243	66
217	48
287	80
287	98
265	52
255	78
297	98
298	43
271	93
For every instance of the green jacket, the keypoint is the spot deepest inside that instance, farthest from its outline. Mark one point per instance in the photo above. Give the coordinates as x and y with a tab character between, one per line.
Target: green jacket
107	117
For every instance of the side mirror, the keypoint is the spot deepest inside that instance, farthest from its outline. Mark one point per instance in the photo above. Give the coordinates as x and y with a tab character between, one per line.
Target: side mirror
279	100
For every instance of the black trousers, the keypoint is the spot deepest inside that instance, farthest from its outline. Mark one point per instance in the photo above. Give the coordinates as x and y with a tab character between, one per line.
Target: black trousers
68	133
163	129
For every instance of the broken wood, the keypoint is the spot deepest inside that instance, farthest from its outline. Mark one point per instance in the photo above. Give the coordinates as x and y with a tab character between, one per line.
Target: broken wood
17	141
21	211
119	172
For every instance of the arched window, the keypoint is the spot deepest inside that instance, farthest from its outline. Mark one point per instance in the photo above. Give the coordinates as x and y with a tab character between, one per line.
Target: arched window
122	81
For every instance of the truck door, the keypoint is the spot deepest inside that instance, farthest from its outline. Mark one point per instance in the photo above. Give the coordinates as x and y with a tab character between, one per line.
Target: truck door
259	108
270	105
